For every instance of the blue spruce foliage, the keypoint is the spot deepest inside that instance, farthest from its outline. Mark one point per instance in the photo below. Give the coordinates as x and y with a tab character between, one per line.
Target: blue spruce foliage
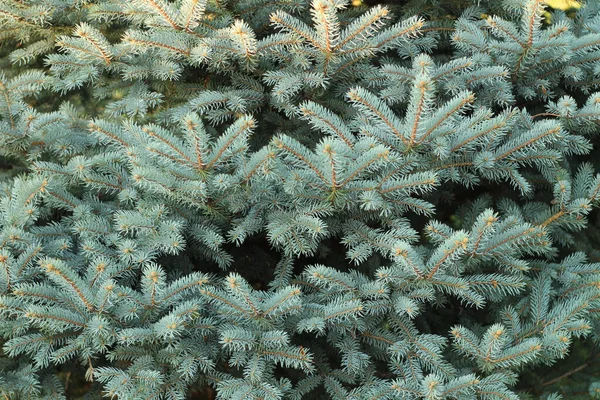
291	199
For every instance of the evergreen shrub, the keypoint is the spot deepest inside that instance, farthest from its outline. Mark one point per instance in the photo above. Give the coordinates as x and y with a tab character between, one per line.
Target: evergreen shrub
284	199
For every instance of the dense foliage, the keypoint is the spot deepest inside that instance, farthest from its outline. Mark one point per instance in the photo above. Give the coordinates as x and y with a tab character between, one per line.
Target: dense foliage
284	199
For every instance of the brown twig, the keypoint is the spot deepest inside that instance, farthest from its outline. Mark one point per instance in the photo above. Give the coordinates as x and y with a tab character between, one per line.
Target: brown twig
67	382
545	114
571	372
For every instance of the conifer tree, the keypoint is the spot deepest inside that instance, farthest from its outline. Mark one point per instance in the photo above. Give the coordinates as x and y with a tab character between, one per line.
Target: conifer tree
291	199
